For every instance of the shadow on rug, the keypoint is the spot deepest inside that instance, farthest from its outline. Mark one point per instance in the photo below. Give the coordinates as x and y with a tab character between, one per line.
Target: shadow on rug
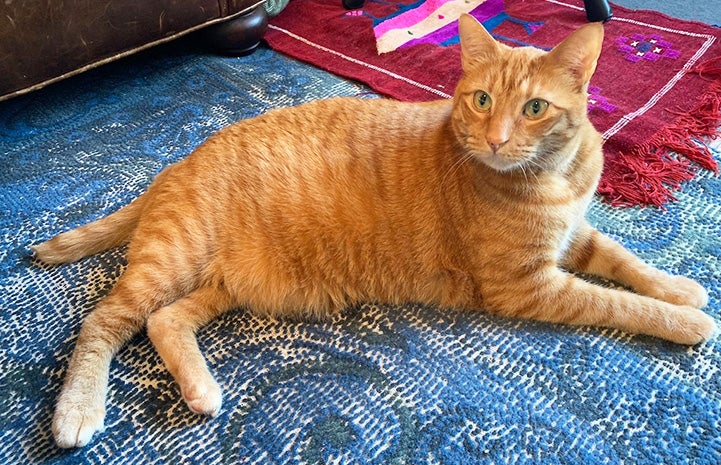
378	385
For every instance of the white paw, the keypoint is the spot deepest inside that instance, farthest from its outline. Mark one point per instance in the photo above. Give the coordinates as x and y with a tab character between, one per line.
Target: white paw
204	397
74	424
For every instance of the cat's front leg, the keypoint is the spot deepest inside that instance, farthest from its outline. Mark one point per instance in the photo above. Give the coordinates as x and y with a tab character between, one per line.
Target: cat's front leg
555	296
594	253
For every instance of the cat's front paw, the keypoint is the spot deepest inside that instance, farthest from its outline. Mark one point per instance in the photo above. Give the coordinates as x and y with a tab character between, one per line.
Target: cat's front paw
693	327
679	290
75	423
205	397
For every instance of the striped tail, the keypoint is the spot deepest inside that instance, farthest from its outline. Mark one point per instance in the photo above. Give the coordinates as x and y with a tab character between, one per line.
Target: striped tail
110	231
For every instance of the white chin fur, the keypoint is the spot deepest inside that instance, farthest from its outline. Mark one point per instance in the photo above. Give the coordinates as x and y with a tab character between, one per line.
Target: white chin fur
497	163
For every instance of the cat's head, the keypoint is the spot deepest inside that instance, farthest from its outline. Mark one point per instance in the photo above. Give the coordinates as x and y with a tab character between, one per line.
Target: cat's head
519	107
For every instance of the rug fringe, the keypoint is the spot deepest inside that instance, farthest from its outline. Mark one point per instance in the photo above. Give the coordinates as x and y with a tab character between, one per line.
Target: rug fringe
649	174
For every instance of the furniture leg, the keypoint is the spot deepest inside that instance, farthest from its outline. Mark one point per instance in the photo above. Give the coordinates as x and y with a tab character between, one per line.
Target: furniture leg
240	35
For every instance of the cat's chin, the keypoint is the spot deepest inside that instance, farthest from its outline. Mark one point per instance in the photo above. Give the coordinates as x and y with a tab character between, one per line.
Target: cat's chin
498	163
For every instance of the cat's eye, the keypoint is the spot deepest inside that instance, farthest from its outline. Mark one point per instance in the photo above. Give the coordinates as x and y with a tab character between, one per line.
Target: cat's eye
535	108
482	100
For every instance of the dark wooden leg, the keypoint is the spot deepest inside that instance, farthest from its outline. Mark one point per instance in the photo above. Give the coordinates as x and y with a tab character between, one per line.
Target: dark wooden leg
240	35
597	10
353	4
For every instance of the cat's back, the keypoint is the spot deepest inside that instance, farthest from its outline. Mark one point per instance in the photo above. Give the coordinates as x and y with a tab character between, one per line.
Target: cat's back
353	112
337	143
344	124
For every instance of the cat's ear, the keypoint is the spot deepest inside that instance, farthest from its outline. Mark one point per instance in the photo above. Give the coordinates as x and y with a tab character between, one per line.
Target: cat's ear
476	43
579	52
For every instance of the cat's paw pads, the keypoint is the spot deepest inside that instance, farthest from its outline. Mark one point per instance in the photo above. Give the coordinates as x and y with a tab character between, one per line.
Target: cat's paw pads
694	327
683	291
204	398
74	425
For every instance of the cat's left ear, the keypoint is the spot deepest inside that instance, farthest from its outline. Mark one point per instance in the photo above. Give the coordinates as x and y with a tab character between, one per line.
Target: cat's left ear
477	45
579	52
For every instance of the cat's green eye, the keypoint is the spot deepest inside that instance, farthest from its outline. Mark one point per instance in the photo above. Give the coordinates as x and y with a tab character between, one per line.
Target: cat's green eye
535	108
482	100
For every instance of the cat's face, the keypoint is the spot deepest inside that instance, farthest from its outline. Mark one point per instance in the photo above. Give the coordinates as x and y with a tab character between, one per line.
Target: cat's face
520	107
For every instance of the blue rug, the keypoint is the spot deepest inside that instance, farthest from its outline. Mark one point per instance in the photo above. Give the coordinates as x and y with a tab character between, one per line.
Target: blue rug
379	385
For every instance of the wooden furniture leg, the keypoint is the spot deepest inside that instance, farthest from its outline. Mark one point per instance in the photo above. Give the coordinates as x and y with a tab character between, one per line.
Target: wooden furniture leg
238	36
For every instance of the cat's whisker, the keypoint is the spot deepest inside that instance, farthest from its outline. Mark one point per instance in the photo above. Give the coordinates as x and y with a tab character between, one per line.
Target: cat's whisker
532	173
534	163
456	166
523	170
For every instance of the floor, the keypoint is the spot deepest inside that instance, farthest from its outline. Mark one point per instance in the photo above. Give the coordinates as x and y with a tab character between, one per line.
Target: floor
706	11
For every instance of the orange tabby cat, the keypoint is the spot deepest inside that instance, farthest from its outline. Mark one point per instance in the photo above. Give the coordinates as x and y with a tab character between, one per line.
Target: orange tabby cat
476	203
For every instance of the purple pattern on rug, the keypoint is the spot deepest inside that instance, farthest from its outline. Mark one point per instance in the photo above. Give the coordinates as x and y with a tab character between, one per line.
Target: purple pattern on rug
596	100
652	48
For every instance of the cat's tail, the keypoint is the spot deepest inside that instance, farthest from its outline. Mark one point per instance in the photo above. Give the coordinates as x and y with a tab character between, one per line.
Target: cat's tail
110	231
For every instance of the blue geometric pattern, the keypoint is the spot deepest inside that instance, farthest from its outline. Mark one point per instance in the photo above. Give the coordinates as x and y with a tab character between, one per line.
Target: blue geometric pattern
378	384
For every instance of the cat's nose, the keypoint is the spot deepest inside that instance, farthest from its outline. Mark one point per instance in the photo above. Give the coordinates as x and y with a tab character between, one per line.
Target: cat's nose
495	143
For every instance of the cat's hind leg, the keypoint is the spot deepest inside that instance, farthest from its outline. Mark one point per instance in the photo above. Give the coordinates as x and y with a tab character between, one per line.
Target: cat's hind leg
594	253
172	331
80	408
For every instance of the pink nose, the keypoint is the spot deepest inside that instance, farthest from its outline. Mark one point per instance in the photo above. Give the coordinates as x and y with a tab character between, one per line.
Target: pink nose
495	144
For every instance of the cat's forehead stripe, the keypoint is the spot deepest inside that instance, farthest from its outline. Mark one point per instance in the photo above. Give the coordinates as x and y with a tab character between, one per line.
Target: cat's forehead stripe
514	77
524	86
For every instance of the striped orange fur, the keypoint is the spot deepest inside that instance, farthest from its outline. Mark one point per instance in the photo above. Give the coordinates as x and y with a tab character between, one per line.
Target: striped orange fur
476	203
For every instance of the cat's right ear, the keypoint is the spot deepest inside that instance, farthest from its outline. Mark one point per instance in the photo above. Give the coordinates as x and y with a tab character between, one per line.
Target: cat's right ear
477	45
579	52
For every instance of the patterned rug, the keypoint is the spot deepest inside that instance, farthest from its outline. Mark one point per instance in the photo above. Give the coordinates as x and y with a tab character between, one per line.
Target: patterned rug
656	90
380	384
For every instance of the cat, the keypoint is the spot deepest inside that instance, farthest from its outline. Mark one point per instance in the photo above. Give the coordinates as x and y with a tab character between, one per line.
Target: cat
473	203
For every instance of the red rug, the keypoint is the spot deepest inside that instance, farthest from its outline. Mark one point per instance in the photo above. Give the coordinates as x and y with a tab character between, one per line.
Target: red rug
655	95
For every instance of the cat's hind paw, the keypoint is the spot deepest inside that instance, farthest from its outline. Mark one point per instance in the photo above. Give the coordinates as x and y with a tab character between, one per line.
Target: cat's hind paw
74	425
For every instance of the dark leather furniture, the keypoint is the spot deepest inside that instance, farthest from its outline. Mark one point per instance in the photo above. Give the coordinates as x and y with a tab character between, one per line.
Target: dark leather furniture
43	41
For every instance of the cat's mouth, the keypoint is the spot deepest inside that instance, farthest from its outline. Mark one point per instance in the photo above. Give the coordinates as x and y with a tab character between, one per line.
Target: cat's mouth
501	160
498	162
